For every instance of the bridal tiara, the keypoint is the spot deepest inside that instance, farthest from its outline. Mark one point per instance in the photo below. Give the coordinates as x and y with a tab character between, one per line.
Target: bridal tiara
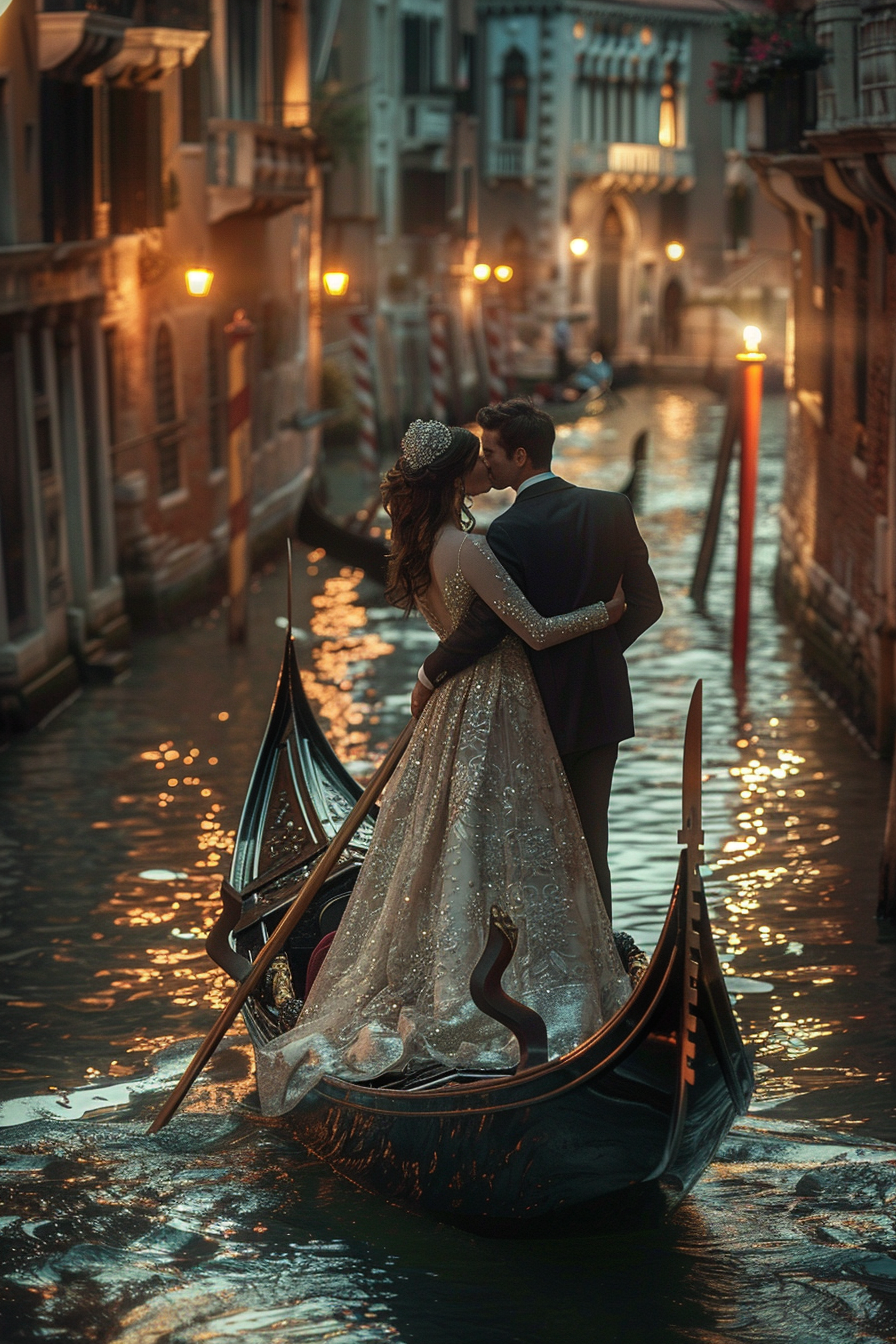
424	442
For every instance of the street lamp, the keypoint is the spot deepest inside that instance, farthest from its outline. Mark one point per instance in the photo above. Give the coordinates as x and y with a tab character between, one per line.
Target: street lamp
675	251
481	272
336	283
503	273
198	278
578	246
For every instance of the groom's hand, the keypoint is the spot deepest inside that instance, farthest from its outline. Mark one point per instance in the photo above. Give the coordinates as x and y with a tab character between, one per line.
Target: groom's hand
616	605
419	696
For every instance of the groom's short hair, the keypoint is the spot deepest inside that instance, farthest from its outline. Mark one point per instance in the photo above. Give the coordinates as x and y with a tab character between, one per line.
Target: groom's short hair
519	423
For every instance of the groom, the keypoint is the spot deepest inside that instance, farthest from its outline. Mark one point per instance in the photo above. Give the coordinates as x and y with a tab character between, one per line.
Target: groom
565	547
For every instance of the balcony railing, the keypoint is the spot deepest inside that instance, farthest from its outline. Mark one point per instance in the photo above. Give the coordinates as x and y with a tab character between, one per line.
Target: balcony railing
427	121
256	167
635	166
511	158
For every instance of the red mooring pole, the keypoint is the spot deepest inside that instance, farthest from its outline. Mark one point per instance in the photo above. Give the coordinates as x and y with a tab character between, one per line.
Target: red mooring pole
751	361
239	467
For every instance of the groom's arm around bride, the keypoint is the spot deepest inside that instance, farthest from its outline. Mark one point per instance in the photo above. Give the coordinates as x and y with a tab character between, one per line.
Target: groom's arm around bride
565	547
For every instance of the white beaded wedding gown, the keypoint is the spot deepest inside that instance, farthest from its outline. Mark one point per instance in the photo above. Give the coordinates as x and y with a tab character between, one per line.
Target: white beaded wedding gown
479	812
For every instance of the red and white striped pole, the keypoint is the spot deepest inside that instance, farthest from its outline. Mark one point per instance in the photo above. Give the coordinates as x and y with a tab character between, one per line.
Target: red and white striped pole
494	351
359	337
239	467
438	363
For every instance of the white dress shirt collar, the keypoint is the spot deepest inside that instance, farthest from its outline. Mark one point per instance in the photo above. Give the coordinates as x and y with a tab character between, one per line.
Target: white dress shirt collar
533	480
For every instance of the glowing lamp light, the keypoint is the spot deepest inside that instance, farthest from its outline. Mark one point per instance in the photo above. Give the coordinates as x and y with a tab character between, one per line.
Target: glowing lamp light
752	337
199	278
335	283
503	273
578	30
481	272
674	251
578	246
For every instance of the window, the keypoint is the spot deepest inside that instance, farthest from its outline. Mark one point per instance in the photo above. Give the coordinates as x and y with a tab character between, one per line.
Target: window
466	75
515	96
166	399
192	99
242	54
66	160
860	362
167	444
739	217
668	131
421	54
135	159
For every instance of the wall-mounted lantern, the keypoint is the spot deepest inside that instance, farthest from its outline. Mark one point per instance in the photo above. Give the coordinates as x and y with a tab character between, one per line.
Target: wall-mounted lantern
336	283
198	278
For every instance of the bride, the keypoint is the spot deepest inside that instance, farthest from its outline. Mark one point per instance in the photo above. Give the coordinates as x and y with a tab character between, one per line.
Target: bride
479	812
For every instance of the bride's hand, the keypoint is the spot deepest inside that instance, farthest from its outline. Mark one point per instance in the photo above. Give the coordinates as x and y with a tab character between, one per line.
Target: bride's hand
616	605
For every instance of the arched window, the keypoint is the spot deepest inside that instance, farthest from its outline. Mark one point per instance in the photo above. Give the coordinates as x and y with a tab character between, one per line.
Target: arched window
515	94
166	400
167	436
668	131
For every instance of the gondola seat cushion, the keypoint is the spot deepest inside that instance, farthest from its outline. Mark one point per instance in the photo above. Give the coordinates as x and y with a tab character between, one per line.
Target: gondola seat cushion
316	960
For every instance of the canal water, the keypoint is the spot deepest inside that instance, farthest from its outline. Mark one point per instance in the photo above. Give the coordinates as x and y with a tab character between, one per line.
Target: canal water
116	819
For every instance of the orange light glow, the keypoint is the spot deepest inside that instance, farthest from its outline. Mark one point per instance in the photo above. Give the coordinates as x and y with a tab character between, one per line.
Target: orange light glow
336	283
481	272
503	273
199	281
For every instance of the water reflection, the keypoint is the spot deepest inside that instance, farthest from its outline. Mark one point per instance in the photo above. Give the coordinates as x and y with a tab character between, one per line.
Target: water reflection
116	824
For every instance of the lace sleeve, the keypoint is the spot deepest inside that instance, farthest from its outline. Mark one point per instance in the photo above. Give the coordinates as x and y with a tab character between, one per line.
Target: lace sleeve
494	585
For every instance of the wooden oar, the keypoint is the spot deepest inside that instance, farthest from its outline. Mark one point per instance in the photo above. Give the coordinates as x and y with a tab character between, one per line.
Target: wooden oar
284	929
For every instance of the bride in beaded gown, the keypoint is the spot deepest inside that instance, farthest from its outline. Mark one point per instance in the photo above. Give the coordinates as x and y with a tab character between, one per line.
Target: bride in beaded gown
478	812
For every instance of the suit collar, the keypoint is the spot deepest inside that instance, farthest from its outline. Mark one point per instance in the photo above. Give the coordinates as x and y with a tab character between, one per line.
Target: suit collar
542	488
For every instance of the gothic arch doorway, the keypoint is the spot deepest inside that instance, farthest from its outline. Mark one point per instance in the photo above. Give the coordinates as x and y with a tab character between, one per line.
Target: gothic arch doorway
609	266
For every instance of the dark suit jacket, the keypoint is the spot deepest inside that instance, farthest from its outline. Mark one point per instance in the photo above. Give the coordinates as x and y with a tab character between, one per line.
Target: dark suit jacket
566	548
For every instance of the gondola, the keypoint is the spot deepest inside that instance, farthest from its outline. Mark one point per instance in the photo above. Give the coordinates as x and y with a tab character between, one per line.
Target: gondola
346	540
628	1119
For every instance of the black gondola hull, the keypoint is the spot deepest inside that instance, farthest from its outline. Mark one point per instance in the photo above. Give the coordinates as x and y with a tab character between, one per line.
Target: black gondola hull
635	1113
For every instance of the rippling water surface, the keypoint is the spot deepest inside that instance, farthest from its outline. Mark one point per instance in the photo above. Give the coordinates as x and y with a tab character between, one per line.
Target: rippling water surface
116	821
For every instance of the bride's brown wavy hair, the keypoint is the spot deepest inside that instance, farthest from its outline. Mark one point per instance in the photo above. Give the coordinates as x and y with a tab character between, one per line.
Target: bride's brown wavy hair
419	504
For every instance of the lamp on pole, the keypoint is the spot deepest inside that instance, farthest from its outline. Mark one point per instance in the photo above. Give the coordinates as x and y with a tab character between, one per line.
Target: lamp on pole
751	360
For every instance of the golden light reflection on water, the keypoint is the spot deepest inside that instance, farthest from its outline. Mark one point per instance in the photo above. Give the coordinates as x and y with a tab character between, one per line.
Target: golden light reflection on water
768	857
342	658
174	967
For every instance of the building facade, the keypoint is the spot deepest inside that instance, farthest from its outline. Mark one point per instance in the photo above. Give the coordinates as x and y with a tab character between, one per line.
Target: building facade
597	132
141	138
401	203
61	600
836	184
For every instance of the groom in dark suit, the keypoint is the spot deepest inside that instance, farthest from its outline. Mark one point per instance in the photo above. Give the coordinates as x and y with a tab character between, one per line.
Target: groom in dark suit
565	547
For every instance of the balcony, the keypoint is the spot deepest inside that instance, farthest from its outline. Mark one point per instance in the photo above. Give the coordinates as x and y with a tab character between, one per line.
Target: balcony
256	169
634	167
427	122
511	158
132	40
